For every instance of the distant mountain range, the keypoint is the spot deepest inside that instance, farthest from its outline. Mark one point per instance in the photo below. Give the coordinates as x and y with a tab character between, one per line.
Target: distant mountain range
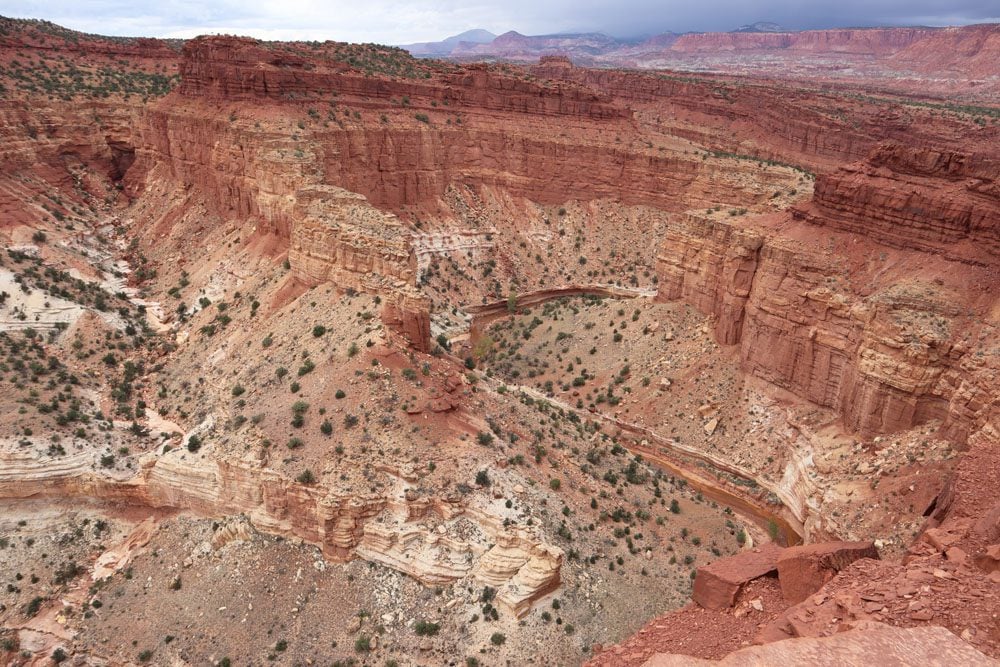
967	51
512	44
448	44
761	26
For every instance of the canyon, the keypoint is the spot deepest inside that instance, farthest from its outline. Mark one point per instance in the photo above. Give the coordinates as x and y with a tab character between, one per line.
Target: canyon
501	355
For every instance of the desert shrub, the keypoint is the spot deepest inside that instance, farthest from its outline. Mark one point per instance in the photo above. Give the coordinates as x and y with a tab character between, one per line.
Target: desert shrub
426	628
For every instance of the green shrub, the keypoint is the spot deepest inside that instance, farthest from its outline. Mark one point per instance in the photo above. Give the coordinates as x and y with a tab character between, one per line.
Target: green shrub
426	628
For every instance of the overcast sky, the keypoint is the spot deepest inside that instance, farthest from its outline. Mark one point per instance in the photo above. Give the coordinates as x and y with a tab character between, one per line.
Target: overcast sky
404	21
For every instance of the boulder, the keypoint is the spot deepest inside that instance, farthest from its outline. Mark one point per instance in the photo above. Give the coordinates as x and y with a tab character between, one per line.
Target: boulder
989	560
988	525
803	570
717	584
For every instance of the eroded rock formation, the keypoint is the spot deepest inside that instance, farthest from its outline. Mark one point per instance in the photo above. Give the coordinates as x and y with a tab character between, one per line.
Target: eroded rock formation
885	361
412	536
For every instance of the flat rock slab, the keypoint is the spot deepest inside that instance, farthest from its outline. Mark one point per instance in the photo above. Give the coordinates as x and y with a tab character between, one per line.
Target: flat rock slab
717	584
803	570
876	644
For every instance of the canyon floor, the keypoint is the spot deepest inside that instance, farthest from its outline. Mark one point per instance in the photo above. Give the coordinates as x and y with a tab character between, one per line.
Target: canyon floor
317	353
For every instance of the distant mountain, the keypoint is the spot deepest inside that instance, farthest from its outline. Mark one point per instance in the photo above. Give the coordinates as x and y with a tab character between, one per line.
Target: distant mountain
580	47
761	26
763	46
448	44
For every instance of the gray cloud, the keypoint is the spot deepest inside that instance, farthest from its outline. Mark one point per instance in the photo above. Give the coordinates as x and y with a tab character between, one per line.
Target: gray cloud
396	22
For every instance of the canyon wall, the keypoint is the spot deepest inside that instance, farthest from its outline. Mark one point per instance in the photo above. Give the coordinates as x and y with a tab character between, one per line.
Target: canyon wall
58	158
337	237
885	361
243	69
922	197
819	129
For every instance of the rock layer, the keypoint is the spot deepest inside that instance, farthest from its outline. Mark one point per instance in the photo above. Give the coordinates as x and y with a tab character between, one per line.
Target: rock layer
883	361
344	526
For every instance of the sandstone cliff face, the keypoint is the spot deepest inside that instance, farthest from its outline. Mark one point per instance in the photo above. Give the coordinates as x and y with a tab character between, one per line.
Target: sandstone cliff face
338	237
240	69
784	126
915	197
395	531
779	122
73	150
710	265
568	141
970	51
885	362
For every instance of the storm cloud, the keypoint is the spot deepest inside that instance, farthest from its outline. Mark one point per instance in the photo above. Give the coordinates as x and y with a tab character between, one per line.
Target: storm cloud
398	22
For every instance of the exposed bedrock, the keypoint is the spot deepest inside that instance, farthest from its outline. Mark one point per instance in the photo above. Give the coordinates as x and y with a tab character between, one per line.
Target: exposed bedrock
779	122
884	361
240	68
405	532
78	152
915	197
337	237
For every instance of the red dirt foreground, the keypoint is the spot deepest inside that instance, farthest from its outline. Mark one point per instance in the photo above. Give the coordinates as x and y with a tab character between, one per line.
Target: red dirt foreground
944	590
892	646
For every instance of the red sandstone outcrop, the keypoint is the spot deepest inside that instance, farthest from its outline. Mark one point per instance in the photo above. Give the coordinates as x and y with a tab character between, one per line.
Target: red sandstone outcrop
804	569
776	121
916	197
885	361
864	41
711	265
966	51
337	237
240	68
390	530
716	585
